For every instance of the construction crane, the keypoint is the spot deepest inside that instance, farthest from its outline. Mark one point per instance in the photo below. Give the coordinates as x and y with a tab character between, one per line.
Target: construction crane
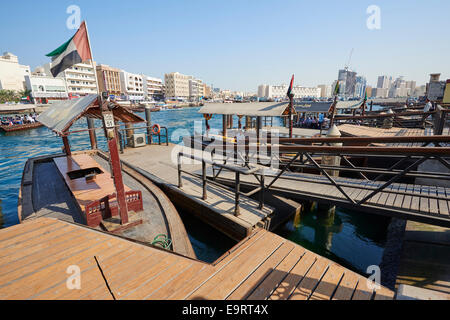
348	62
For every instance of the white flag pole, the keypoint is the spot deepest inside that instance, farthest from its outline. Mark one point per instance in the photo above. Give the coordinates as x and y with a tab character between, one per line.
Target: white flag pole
92	59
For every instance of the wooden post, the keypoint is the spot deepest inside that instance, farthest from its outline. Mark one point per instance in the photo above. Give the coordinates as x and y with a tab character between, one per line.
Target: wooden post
148	117
224	125
114	160
65	140
129	132
291	105
92	136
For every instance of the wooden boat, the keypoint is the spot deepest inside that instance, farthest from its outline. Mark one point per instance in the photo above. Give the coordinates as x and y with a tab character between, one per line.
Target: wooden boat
94	189
18	127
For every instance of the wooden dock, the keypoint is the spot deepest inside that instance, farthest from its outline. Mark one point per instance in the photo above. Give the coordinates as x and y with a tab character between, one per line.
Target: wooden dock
156	163
423	203
36	258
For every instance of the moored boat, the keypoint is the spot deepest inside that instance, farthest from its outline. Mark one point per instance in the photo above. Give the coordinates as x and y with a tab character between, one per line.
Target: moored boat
18	127
93	188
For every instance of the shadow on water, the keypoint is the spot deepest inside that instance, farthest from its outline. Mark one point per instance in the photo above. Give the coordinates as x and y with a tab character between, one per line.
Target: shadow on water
208	243
353	239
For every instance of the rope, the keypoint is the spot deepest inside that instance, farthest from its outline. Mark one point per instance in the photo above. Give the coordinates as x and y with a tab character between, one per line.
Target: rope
162	241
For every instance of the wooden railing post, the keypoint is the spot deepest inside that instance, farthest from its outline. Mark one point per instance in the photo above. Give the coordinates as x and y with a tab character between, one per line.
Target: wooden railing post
238	187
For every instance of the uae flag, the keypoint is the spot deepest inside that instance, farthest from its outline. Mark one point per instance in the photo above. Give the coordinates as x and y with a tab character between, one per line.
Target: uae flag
74	51
290	86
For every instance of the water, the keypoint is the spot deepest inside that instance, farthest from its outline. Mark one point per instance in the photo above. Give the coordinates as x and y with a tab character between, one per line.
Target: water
357	240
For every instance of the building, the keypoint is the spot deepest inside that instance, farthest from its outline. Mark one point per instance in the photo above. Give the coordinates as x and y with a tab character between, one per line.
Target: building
108	79
196	89
360	87
177	85
12	74
208	91
44	88
347	83
80	78
325	91
280	91
132	85
153	88
369	91
380	92
384	82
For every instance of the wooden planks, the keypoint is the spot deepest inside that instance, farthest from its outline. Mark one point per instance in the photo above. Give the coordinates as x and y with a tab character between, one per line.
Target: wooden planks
85	192
262	266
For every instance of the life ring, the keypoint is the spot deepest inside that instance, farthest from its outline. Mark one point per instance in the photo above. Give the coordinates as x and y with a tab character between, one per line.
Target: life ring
207	116
157	127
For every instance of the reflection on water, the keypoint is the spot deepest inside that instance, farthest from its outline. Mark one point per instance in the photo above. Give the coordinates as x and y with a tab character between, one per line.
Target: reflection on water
354	239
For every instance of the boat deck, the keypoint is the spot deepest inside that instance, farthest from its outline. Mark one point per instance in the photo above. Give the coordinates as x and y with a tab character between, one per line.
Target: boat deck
44	193
38	259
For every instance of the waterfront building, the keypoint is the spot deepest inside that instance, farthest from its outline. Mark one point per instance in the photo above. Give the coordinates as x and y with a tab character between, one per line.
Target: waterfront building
325	90
12	74
153	88
45	88
380	92
132	85
196	89
177	85
80	78
384	82
279	91
360	87
347	83
108	79
208	91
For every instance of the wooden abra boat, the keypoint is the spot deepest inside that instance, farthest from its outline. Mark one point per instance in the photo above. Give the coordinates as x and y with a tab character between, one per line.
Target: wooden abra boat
18	127
94	188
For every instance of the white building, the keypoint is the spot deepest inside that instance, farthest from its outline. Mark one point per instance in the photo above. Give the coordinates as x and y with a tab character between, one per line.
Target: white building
45	88
132	85
177	85
325	90
12	74
80	78
279	91
153	88
196	89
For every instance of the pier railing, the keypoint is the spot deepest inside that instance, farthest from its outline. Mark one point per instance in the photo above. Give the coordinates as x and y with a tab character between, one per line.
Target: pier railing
302	160
238	170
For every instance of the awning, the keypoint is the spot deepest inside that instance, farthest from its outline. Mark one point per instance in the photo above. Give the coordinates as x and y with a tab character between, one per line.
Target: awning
323	107
263	109
61	115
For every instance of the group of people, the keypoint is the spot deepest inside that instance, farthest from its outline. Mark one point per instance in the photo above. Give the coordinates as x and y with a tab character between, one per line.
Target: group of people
19	119
312	122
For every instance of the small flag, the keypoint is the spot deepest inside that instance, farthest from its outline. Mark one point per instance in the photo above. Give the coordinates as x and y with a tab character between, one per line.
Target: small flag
336	89
74	51
290	86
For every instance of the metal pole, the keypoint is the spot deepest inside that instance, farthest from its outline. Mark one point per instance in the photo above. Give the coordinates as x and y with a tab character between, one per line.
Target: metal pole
148	117
224	125
204	179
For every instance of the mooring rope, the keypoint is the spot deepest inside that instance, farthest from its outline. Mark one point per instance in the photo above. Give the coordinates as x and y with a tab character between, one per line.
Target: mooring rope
162	240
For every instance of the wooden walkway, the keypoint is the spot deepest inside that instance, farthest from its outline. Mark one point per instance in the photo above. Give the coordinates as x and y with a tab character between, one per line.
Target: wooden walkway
427	204
159	164
35	257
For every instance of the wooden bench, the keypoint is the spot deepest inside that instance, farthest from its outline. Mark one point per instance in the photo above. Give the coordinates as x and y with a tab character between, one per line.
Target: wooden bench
93	188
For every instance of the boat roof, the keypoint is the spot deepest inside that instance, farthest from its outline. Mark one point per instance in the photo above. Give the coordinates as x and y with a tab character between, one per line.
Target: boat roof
323	107
264	109
61	115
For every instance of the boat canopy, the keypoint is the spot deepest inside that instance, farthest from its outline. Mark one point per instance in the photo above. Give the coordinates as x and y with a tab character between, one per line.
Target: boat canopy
60	116
256	109
324	107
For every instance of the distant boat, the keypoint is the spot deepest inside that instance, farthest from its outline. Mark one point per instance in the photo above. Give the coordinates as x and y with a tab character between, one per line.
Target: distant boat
18	127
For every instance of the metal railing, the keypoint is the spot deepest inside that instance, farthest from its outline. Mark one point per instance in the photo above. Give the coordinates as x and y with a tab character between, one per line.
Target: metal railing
237	185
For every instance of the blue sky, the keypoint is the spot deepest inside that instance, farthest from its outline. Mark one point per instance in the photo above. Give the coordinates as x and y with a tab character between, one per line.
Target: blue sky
241	44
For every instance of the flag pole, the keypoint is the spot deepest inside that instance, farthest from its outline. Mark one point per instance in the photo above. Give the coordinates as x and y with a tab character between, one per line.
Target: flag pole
92	58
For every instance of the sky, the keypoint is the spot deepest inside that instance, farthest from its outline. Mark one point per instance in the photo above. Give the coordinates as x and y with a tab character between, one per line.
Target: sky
239	45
